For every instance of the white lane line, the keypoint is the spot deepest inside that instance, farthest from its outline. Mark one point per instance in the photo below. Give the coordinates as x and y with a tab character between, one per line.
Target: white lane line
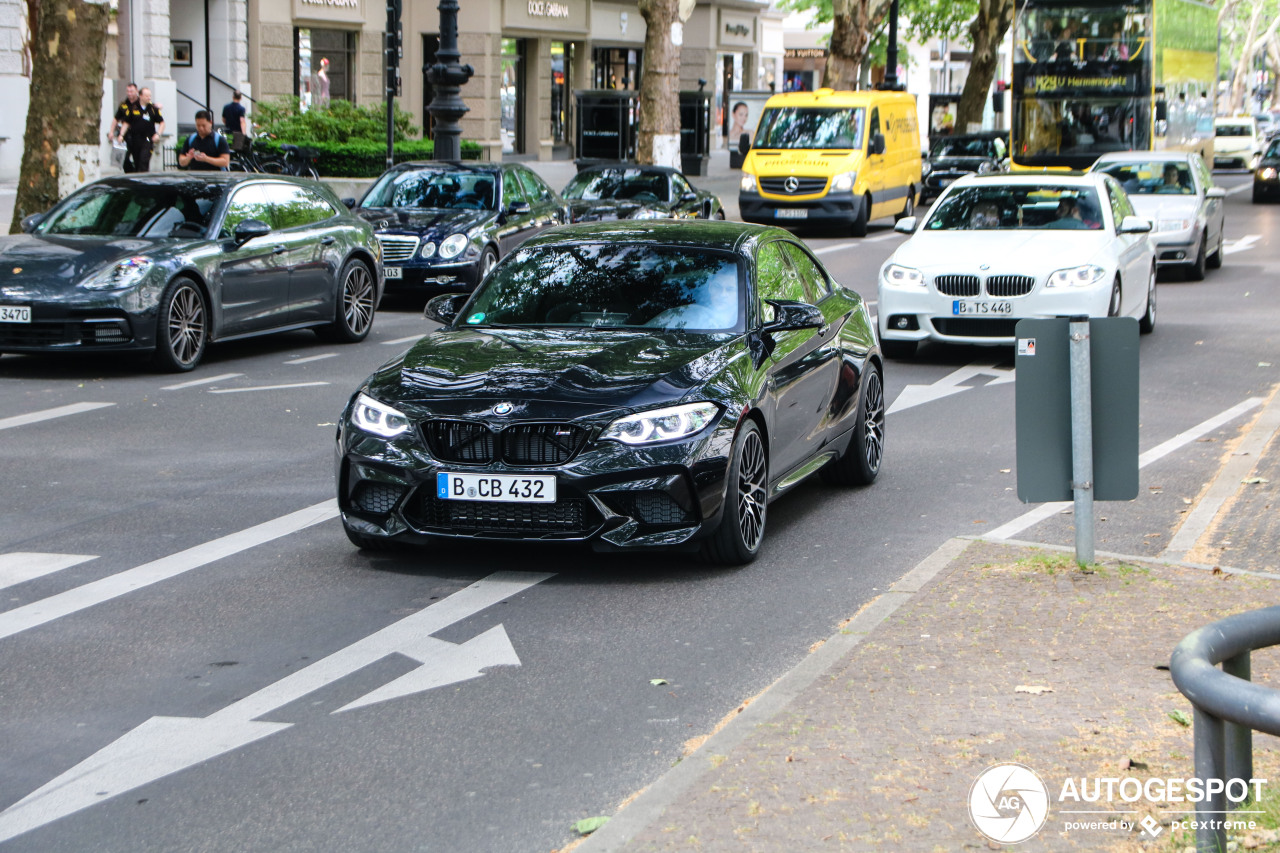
83	597
1239	189
50	414
836	248
881	238
402	340
206	381
1244	244
312	358
265	387
22	566
1040	513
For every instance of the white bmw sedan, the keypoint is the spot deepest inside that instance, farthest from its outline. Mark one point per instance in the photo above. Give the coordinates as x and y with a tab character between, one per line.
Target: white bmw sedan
1174	191
997	248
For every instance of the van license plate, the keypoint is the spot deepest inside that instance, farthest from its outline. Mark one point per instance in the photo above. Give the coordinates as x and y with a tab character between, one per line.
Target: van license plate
792	213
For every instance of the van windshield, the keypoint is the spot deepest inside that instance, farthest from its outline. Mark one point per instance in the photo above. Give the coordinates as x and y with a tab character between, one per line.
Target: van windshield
810	127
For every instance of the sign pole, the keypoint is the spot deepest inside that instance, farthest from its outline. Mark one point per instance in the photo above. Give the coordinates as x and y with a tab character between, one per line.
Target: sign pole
1082	438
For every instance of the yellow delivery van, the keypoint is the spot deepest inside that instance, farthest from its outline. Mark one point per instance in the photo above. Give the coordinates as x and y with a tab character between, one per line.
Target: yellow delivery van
833	158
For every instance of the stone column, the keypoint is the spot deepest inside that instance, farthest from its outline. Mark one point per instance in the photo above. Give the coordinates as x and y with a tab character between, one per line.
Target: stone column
15	87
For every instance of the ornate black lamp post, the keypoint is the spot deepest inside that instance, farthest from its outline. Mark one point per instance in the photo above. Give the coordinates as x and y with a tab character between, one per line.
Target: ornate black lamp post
447	77
891	52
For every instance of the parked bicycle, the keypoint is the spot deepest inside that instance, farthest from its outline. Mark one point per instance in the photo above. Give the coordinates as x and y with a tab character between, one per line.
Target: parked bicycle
255	156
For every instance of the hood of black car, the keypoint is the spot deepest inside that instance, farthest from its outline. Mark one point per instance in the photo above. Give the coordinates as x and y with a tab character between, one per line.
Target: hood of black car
428	223
962	164
41	264
602	368
602	209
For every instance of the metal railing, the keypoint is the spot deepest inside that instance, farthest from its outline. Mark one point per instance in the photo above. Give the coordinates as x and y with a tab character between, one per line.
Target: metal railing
1228	709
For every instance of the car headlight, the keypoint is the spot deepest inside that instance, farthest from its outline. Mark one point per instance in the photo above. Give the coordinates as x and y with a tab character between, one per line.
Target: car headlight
119	275
1174	224
648	213
1081	276
844	182
984	167
900	276
452	246
659	425
378	418
1268	174
925	168
428	249
748	183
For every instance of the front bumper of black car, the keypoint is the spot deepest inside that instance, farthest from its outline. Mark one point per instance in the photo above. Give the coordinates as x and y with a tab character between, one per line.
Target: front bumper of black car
609	495
67	327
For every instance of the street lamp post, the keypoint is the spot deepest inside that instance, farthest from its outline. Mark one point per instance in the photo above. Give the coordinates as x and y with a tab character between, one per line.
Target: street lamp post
447	77
891	53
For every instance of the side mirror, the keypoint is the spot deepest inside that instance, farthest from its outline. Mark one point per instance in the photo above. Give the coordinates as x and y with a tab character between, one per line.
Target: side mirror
1162	110
519	208
1135	225
251	228
744	144
1215	192
905	225
689	196
350	203
29	223
877	144
789	316
445	307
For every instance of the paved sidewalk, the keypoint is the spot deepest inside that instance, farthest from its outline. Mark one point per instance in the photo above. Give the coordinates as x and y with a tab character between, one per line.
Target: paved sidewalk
987	652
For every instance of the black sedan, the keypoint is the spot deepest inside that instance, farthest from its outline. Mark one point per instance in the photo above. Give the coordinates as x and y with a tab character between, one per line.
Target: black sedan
627	191
628	384
167	263
952	157
443	225
1266	178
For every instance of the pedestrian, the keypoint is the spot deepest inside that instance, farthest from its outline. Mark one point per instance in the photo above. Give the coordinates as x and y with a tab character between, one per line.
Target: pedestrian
141	133
128	110
204	150
233	115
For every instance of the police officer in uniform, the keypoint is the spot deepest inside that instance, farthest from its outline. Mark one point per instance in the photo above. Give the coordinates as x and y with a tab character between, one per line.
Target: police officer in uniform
130	108
142	131
204	150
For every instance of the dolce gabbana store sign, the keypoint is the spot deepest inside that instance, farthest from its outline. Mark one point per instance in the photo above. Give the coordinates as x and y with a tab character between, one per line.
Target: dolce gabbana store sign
568	17
336	11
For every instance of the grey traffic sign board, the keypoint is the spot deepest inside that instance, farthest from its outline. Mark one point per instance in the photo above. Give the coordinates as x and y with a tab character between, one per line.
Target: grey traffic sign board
1043	409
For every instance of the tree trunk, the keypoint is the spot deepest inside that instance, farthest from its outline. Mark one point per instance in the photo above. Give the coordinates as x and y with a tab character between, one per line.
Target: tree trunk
987	31
852	22
659	137
68	51
1240	81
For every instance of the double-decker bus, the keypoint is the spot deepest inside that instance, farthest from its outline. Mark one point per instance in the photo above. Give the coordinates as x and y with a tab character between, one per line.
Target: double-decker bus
1091	76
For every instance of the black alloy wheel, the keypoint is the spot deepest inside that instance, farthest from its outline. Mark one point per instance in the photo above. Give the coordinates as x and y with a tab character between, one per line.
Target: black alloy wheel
355	306
737	540
1195	272
488	261
182	327
1147	324
860	464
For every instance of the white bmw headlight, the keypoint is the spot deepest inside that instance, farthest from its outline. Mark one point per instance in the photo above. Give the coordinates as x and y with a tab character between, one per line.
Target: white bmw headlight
844	182
119	275
428	250
748	183
659	425
378	418
900	276
452	246
1081	276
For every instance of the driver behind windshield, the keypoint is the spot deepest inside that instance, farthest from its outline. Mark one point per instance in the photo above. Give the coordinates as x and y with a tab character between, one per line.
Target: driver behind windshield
714	306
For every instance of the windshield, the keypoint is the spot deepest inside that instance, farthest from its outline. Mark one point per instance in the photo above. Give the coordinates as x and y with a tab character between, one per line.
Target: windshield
612	285
1273	150
436	189
1008	207
810	127
1074	131
623	184
951	147
136	210
1233	130
1152	177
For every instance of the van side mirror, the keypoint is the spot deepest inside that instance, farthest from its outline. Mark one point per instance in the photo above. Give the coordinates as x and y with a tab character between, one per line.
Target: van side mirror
1162	111
877	144
445	307
744	144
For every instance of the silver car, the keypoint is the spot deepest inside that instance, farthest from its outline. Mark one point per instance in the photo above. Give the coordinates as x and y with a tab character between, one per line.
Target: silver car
1175	191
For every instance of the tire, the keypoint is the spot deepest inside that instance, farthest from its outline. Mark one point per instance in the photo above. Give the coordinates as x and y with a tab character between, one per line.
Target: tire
720	214
1195	271
182	327
1113	307
1147	323
273	166
858	228
737	540
898	350
367	543
1215	260
908	209
310	171
238	165
1258	196
488	261
860	464
355	308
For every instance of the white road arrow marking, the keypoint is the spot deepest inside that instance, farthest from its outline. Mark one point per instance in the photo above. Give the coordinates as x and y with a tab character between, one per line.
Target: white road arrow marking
915	395
165	745
22	566
1244	244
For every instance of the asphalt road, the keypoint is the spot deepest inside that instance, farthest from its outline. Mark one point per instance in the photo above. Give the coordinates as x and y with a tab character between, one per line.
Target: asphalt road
208	584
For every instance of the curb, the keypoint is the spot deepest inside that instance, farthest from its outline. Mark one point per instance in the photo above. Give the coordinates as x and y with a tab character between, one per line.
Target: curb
655	799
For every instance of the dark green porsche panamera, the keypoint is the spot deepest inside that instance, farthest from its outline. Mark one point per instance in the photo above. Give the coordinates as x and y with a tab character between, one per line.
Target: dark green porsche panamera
168	263
629	385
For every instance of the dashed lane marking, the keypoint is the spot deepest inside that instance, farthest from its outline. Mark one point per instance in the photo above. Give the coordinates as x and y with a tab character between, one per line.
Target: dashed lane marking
206	381
321	357
266	387
22	566
392	343
50	414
